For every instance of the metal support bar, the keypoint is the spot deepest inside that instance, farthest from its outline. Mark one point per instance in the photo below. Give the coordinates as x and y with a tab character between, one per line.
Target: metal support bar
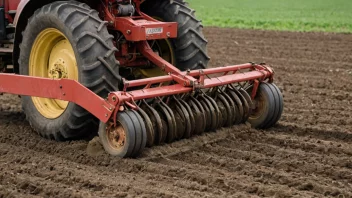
182	79
64	89
179	89
196	73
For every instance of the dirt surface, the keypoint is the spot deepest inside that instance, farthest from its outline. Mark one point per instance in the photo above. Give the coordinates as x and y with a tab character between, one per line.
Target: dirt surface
308	154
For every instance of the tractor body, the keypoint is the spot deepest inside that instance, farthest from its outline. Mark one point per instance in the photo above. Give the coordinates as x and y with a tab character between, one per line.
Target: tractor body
139	68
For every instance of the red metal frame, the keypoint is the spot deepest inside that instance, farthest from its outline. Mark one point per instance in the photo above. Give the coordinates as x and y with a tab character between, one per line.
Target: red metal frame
103	109
64	89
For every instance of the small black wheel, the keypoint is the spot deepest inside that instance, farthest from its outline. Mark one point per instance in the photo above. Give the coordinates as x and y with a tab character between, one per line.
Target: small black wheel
268	106
127	139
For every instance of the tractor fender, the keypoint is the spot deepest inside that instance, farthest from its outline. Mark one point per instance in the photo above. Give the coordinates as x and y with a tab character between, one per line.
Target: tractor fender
20	8
20	23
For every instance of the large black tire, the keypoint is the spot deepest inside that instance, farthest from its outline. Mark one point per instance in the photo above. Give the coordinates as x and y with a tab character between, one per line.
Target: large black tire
98	68
190	45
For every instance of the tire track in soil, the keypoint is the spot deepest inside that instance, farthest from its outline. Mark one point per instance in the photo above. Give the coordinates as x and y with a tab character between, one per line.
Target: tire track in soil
308	154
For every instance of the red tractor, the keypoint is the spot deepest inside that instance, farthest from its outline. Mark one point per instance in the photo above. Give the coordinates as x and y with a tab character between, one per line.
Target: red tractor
133	70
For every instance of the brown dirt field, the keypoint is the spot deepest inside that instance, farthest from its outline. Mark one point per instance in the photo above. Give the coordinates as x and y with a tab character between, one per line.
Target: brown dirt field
308	154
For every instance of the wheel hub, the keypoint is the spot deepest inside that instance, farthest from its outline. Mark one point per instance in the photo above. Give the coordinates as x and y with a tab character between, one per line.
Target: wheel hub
259	106
52	56
58	70
116	136
162	48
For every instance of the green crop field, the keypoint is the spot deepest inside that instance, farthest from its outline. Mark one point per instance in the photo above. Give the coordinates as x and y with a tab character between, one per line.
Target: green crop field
292	15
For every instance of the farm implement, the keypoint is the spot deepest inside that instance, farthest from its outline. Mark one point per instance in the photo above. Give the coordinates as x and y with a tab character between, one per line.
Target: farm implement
135	71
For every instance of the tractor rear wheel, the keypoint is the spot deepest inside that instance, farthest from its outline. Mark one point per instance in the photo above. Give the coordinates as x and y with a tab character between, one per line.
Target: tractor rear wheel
188	50
67	40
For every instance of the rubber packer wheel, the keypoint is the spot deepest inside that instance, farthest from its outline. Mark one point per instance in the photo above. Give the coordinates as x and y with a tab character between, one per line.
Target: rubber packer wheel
268	106
78	26
127	139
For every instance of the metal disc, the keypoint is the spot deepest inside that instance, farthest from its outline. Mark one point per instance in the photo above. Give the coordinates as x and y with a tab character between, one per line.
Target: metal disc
171	133
165	119
239	107
216	112
148	126
198	117
225	110
182	127
223	113
248	98
207	115
179	118
156	121
233	112
201	121
211	123
191	117
246	108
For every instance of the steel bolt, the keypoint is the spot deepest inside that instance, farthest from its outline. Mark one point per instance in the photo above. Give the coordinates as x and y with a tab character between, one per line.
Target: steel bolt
128	31
114	98
168	34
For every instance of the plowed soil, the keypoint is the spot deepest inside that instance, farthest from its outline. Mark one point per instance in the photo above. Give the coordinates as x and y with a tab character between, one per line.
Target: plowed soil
308	153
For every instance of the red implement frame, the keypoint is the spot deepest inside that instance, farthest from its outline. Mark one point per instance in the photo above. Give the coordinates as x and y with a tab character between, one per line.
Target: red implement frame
103	109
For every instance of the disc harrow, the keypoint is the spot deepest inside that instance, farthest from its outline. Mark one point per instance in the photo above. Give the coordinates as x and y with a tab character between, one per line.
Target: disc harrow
177	117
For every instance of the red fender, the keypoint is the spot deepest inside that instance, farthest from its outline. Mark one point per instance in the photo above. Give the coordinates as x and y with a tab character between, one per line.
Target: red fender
20	8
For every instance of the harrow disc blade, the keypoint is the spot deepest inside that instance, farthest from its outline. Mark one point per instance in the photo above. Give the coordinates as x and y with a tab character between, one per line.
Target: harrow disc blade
148	126
246	108
225	110
216	112
167	114
248	99
238	104
211	113
165	120
155	120
181	117
191	117
232	116
199	114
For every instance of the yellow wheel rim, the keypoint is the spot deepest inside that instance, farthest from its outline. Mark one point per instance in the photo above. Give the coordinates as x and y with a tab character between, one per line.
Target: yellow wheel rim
164	49
52	56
